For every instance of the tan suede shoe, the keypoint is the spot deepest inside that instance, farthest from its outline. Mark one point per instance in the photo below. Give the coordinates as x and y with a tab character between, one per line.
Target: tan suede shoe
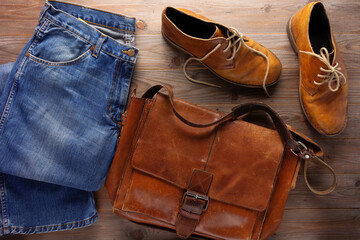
323	86
225	51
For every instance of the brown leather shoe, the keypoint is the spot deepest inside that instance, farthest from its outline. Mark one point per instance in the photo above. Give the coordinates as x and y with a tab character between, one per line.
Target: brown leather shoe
225	51
323	86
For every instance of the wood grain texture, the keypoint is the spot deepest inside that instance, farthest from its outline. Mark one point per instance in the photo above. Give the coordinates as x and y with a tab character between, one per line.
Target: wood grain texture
156	54
306	216
243	15
309	224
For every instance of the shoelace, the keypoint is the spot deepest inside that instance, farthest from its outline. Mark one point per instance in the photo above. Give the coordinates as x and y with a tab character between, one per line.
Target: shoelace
332	74
234	44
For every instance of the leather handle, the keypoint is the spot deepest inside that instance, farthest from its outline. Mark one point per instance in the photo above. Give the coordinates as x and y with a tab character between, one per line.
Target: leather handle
297	147
234	114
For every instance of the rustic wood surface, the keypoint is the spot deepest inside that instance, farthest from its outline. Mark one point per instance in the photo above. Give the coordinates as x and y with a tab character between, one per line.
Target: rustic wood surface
336	216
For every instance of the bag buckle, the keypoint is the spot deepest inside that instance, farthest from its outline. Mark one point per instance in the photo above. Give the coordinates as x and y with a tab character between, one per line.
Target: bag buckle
196	196
301	147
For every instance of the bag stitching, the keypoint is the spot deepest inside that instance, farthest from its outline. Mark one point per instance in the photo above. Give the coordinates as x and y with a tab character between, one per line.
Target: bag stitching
133	150
273	190
129	159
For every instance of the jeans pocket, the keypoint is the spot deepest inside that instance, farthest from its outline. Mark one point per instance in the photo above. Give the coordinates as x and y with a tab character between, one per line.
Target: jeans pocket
56	45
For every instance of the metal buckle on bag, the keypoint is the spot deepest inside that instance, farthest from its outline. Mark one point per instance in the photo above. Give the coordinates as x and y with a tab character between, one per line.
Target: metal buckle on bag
196	196
301	148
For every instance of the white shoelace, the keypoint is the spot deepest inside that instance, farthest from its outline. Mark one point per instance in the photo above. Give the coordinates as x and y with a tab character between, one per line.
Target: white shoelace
235	45
332	74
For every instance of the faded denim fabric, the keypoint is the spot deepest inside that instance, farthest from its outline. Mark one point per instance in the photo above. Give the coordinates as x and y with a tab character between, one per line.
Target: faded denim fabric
28	206
62	102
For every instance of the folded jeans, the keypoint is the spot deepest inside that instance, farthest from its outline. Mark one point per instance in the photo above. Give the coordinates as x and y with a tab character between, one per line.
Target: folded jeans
29	206
64	97
61	104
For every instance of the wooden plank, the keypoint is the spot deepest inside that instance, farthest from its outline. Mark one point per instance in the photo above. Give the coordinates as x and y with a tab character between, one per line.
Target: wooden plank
315	224
156	54
284	92
345	196
309	224
335	216
243	15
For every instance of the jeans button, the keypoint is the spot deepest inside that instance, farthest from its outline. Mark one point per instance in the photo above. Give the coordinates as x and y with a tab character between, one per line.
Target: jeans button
129	52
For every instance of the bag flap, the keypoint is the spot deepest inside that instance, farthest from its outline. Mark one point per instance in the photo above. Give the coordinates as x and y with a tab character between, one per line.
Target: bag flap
244	158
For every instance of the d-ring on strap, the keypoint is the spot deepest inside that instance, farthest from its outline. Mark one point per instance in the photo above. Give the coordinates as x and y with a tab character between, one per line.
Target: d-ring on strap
297	147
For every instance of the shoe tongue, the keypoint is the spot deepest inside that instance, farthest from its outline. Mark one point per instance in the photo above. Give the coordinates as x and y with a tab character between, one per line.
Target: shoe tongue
218	33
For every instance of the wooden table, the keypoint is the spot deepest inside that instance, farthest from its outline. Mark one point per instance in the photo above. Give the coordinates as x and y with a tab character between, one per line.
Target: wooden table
307	216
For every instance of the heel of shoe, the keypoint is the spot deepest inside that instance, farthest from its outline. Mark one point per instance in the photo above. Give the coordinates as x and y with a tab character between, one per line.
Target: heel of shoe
291	36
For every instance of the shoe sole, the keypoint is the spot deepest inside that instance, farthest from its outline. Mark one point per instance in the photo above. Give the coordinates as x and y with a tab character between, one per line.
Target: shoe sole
294	47
291	37
226	80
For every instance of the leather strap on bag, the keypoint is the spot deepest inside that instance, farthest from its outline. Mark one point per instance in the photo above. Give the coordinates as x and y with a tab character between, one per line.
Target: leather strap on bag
297	147
195	201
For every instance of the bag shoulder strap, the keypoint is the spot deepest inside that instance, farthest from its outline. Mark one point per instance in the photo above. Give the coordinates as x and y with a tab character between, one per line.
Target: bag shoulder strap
298	148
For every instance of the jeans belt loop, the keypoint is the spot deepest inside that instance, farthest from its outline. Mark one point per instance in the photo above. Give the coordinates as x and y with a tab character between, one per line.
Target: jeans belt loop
98	45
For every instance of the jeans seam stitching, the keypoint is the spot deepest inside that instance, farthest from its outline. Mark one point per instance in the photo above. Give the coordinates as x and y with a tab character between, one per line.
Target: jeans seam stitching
2	203
55	225
69	63
77	35
118	57
11	95
37	35
128	91
42	28
119	63
102	25
81	36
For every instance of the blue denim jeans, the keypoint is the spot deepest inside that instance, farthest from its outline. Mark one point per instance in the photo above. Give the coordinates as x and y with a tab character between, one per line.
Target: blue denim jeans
29	206
61	104
63	100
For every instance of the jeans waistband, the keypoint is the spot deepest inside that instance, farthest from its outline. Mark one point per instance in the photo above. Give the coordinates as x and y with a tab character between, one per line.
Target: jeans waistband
84	21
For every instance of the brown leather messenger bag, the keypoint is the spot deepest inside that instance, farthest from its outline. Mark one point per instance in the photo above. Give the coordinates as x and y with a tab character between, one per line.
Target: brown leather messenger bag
197	171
